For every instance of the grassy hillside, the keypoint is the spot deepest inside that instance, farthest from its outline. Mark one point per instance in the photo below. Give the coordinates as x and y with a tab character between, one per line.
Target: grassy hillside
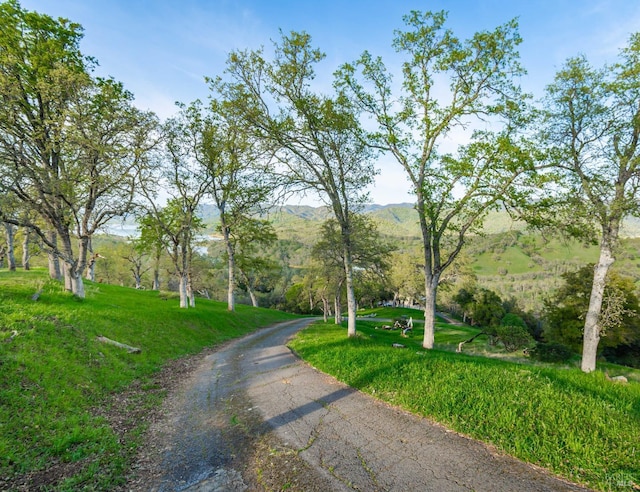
59	384
579	426
528	268
58	381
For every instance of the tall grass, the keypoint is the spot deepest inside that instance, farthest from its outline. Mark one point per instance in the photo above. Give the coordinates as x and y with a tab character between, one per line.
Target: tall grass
55	375
580	426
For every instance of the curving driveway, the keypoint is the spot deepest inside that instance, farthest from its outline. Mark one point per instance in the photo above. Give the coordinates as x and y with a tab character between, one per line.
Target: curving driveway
252	410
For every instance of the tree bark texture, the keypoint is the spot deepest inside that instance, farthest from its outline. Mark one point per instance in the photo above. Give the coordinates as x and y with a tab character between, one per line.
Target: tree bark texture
592	326
54	261
351	296
182	288
231	303
25	249
11	257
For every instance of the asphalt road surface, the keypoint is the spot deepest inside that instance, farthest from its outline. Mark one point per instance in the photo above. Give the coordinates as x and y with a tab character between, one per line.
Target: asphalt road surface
255	391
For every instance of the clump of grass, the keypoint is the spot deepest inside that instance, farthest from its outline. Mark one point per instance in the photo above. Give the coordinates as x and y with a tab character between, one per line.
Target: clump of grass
578	425
55	373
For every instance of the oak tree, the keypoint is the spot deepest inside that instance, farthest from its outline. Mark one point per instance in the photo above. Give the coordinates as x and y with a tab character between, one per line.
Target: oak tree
316	138
450	90
592	121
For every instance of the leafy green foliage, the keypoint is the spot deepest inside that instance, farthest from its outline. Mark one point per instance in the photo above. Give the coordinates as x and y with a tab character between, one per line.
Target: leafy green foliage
513	337
551	352
565	311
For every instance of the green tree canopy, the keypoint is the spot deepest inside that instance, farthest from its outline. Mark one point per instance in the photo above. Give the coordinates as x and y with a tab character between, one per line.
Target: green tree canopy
564	312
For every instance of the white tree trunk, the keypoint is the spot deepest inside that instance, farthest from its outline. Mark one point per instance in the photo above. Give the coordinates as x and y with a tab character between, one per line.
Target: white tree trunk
77	285
231	287
429	313
182	289
67	277
252	295
10	235
190	294
25	249
592	326
91	269
351	296
54	261
73	279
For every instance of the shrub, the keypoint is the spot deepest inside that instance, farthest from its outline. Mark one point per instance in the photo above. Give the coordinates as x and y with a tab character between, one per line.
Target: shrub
513	337
551	352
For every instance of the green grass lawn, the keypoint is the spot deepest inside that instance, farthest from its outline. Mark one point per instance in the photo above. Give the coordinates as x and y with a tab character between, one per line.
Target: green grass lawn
579	426
56	376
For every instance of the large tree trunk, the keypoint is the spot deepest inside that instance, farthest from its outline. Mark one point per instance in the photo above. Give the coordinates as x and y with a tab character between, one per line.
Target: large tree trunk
77	284
84	247
337	307
72	268
326	309
231	287
91	262
11	257
138	279
73	278
190	293
182	289
431	277
592	326
155	285
429	314
54	261
351	296
25	249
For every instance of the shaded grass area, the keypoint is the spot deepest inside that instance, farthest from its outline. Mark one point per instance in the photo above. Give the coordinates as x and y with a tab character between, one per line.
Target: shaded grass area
57	379
578	425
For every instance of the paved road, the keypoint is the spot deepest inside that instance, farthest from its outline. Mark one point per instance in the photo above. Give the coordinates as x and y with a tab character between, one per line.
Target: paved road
255	387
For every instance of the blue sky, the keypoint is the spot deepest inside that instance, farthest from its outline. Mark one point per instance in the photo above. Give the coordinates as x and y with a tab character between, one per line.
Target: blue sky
162	49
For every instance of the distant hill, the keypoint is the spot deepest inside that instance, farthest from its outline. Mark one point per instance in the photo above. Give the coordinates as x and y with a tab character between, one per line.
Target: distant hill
507	258
395	220
401	219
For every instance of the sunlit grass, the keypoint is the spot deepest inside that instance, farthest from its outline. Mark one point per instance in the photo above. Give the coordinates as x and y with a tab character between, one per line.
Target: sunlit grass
578	425
55	374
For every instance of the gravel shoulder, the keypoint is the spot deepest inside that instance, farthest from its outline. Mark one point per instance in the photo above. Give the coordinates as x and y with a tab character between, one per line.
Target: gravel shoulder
251	416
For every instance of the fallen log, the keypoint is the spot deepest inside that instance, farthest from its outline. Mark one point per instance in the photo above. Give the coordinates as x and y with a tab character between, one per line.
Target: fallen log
459	349
128	348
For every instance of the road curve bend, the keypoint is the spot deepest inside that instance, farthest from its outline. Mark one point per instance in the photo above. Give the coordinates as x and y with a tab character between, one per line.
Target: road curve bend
254	391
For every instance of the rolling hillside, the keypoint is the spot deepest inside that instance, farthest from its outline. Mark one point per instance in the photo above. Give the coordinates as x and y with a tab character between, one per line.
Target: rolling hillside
506	258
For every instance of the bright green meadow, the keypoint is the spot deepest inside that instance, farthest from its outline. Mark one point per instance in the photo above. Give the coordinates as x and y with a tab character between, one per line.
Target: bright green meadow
56	378
580	426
